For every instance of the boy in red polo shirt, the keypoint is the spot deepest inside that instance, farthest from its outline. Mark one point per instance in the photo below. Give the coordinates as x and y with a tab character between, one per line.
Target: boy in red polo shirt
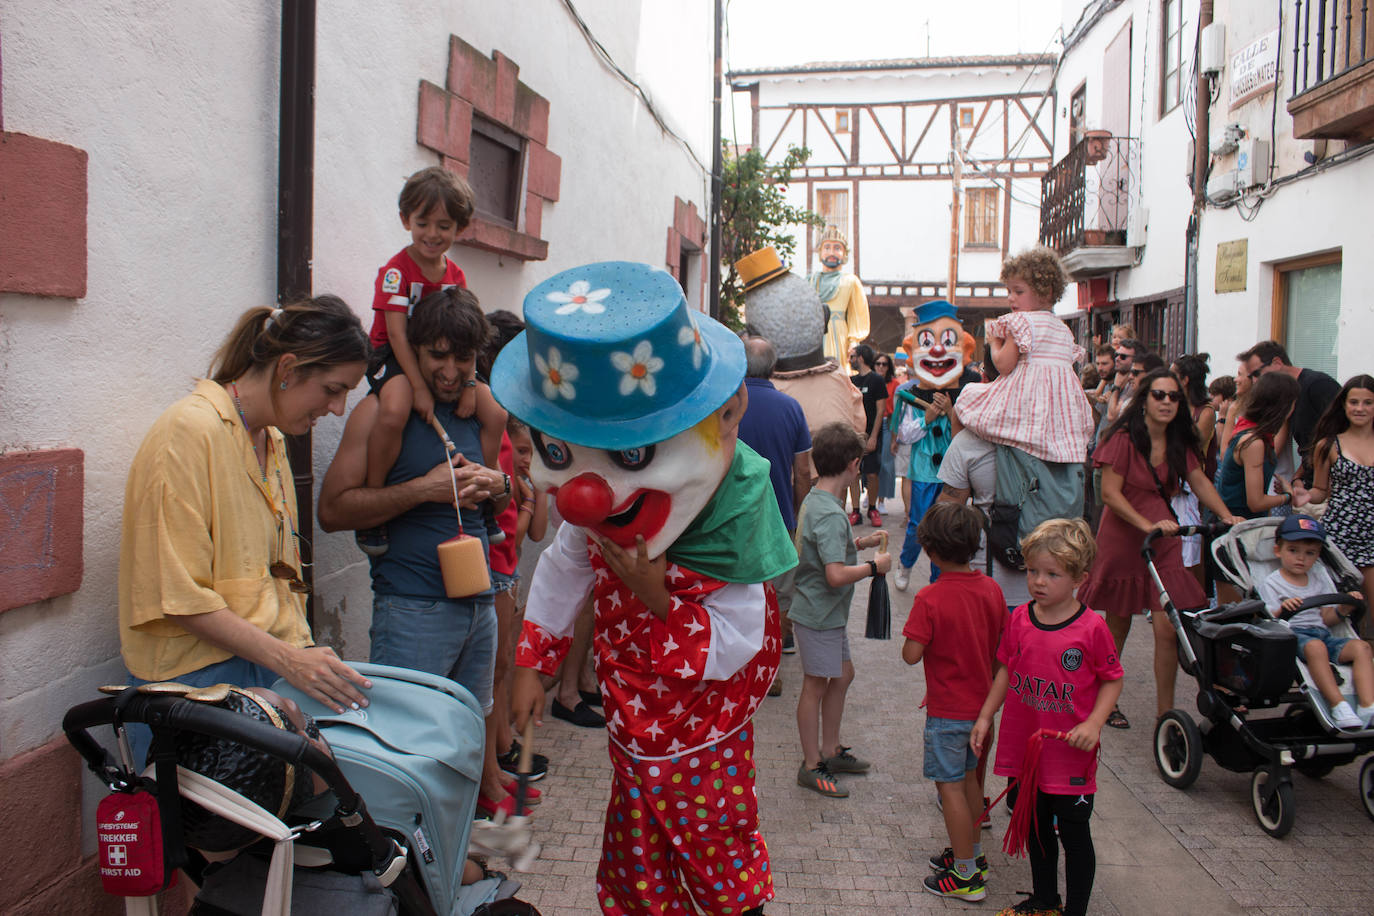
954	627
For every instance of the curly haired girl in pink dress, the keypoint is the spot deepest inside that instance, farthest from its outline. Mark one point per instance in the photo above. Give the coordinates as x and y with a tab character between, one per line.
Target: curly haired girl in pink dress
1037	403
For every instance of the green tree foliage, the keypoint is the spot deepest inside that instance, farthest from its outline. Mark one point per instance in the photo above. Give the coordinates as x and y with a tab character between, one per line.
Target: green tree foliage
754	214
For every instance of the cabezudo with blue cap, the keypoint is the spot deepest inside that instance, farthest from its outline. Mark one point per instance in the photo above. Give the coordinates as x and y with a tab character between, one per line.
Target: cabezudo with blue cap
611	357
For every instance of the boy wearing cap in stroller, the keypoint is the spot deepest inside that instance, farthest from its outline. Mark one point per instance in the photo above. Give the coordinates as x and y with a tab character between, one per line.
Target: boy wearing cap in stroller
1298	545
634	402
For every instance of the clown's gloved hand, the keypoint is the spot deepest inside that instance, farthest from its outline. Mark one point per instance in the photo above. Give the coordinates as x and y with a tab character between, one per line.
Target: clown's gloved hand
642	575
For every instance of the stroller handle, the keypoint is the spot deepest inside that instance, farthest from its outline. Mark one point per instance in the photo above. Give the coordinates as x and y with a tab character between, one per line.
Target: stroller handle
1207	531
1323	600
187	715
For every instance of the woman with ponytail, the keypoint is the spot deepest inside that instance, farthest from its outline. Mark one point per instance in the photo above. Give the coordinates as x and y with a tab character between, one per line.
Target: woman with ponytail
210	571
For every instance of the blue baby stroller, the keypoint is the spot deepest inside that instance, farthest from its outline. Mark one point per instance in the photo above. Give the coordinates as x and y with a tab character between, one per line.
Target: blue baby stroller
1260	712
414	754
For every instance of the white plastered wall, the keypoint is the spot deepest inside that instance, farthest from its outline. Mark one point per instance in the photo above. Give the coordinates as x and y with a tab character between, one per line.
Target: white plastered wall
177	106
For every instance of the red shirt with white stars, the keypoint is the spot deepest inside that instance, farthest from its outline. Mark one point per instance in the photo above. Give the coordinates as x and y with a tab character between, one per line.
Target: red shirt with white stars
658	703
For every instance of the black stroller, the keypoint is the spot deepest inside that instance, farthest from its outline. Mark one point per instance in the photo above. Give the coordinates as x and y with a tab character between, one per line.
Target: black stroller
1257	715
252	802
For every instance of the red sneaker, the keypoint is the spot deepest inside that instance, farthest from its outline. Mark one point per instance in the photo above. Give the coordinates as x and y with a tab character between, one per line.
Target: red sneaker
855	517
875	518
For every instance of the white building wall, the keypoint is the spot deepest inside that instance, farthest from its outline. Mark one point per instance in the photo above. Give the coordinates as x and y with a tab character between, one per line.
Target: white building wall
1312	214
177	106
1164	163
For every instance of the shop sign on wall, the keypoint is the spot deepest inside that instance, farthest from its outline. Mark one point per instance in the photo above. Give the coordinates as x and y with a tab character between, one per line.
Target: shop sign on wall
1232	263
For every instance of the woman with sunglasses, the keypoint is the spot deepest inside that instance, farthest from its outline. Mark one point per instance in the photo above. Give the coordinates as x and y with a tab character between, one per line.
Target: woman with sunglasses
210	587
1145	457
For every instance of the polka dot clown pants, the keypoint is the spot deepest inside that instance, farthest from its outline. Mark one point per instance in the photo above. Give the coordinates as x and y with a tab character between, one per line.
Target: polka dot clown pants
682	834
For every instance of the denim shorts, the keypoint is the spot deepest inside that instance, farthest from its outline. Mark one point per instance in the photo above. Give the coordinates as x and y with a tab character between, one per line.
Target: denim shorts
948	755
501	582
237	671
453	638
1334	644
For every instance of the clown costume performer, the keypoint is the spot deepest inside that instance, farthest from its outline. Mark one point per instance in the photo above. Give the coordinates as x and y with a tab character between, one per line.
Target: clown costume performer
671	525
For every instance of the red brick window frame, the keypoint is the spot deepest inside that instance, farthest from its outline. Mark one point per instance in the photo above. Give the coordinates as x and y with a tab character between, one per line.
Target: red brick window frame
686	241
481	88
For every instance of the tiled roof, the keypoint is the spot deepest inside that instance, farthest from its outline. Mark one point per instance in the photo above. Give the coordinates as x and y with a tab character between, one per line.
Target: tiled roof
904	63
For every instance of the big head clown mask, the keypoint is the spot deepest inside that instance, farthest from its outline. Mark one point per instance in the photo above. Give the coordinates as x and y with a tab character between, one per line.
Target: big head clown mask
630	397
937	345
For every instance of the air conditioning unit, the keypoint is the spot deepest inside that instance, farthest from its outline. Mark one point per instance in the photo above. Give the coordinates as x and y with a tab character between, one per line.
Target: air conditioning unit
1212	49
1252	163
1221	187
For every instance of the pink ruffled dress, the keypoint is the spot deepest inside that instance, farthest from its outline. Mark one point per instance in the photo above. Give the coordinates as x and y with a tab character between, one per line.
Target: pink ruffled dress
1038	407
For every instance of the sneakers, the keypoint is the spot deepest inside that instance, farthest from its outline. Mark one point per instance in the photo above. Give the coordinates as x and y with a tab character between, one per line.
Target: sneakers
845	762
855	518
372	541
1345	717
945	862
948	883
987	818
821	781
509	762
1032	907
874	518
789	645
903	577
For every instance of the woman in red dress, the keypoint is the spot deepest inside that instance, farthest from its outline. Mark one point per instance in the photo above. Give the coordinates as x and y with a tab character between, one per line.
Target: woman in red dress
1145	456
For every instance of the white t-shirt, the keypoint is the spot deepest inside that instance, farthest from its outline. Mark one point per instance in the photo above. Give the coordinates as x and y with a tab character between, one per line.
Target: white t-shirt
970	463
1275	590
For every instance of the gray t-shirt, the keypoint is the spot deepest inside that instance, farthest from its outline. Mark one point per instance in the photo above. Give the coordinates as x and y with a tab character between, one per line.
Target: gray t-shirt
823	536
970	463
1275	590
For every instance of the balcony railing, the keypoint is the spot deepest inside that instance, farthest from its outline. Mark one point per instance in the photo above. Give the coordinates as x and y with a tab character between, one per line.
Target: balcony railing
1086	199
1330	38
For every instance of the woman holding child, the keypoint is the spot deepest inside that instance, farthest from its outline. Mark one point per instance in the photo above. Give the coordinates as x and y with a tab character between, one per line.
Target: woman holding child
210	586
1145	457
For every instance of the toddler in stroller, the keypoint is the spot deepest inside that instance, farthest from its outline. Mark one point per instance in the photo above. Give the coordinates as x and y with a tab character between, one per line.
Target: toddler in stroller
1325	637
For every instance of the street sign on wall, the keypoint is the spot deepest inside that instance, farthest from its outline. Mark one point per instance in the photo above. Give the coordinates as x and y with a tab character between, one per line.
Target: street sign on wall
1254	69
1232	265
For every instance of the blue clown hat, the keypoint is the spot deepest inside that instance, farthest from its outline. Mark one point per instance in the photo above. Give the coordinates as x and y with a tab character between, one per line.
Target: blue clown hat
611	357
927	312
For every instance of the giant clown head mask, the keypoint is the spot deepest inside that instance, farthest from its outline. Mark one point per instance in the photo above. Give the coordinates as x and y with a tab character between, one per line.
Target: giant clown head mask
936	345
632	400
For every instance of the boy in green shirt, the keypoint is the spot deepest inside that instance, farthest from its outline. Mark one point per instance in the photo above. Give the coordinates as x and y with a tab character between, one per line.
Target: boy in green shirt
827	569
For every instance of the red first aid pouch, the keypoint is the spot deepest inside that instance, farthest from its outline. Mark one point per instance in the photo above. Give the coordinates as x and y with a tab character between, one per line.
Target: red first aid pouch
129	840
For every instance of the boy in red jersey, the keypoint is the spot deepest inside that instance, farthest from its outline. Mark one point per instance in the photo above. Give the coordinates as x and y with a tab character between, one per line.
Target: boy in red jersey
435	207
953	629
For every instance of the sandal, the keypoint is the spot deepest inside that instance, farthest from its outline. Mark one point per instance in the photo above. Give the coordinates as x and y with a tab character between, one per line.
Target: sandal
1118	719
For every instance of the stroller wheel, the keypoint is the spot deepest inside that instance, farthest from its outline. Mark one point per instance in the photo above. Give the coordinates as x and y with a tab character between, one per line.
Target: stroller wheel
1178	749
1367	785
1272	797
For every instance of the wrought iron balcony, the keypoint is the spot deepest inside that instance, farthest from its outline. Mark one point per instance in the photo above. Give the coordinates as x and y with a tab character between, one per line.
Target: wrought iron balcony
1087	200
1333	70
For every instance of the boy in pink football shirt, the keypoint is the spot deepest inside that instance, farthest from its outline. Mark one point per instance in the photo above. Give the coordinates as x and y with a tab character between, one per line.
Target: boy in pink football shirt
1059	662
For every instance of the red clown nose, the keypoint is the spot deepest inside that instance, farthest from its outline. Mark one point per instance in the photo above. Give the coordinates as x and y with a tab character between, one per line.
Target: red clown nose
585	500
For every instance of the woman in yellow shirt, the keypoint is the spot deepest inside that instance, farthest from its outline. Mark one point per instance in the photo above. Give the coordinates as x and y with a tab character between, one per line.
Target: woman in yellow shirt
210	585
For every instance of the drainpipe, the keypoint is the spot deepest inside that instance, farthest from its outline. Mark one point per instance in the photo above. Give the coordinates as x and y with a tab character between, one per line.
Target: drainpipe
1201	158
295	204
716	166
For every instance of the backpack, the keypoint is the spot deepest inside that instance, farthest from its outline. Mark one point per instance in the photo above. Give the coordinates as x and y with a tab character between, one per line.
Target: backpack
1029	491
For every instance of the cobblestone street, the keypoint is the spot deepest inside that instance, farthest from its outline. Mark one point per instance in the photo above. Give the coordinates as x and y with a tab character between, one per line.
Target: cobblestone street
1159	850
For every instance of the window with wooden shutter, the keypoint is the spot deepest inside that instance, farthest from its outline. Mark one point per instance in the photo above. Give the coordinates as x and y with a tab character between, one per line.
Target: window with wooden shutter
980	218
833	206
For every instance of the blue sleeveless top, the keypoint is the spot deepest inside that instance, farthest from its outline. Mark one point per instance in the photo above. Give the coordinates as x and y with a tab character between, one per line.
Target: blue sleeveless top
410	567
1230	479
